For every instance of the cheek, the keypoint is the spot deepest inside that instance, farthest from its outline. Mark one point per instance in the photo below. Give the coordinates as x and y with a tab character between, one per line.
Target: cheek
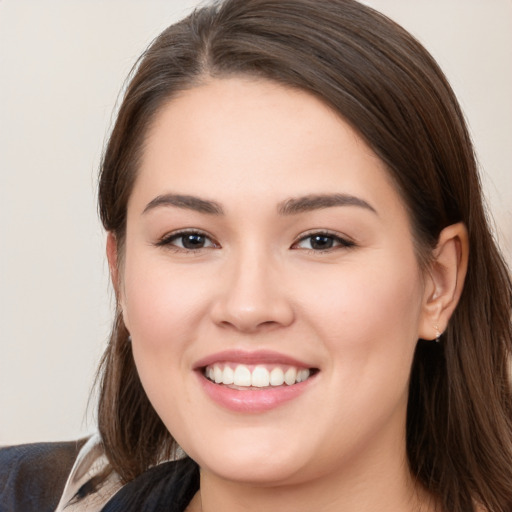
368	322
162	308
163	312
370	313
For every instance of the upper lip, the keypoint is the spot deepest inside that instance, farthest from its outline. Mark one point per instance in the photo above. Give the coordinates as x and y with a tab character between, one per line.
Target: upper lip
250	357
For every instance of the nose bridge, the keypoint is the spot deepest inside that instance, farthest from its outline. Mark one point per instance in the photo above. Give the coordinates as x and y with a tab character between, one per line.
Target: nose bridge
253	296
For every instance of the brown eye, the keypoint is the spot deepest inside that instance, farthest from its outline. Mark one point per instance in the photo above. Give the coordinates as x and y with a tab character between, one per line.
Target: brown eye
322	242
192	241
188	241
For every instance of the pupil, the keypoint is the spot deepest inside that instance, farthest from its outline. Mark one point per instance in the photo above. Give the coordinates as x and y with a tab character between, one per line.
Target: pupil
321	242
193	241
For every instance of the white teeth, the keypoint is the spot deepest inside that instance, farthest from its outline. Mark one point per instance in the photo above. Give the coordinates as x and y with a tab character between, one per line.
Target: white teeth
276	377
217	373
302	375
228	377
259	377
290	376
242	376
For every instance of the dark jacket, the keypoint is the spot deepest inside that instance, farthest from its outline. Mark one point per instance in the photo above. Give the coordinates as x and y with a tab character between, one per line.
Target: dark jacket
33	476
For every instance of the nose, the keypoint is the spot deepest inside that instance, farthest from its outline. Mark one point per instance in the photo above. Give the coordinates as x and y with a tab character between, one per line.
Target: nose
253	296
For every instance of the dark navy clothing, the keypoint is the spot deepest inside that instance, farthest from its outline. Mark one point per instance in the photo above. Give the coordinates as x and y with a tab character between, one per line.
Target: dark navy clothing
168	487
32	478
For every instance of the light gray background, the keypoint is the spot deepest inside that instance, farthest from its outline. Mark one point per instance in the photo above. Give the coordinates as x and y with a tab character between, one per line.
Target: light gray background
62	64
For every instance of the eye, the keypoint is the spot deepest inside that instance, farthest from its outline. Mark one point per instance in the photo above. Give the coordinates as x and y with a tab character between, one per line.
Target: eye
322	242
187	240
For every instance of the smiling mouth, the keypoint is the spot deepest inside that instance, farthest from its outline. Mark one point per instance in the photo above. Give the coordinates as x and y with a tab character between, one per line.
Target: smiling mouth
251	377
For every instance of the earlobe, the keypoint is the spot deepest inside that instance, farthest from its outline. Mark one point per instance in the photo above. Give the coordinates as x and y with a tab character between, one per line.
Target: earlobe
444	280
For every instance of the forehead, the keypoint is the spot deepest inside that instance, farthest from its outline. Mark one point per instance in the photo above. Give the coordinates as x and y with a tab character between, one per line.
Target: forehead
242	139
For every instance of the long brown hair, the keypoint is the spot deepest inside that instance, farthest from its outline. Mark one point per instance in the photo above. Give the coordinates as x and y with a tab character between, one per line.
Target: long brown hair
388	87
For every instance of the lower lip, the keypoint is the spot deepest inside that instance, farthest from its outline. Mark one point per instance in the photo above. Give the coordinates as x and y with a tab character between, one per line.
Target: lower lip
252	400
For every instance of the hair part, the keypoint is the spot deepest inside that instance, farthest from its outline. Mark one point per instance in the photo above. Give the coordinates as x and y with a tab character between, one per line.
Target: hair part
381	81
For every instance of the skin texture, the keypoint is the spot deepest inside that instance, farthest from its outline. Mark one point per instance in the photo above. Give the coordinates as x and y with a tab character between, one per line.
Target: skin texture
352	312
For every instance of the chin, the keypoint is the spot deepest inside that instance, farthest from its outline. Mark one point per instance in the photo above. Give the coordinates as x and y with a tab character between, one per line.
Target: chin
261	473
256	464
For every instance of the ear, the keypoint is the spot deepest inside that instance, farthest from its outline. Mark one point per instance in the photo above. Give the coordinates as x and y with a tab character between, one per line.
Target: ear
115	274
444	280
113	263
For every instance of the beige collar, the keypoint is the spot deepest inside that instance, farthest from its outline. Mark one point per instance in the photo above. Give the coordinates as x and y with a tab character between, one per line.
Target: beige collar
91	460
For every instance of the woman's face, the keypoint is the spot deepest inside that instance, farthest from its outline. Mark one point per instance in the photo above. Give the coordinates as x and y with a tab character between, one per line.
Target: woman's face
266	245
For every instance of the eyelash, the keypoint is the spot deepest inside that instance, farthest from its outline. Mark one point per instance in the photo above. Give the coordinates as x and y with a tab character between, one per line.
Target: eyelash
338	241
341	242
167	241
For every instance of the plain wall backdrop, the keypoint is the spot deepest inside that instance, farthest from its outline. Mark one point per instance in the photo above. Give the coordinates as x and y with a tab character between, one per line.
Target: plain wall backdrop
62	66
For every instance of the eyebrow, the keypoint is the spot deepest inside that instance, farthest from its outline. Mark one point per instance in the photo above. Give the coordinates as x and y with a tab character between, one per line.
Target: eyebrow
291	206
316	202
186	202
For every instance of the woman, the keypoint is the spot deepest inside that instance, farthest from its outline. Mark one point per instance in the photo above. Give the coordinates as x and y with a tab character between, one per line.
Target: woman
310	302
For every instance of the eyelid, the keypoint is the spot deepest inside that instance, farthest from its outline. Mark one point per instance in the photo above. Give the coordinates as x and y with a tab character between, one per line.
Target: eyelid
344	241
166	240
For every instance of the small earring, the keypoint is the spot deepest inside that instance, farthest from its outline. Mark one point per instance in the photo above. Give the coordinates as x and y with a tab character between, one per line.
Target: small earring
438	334
129	339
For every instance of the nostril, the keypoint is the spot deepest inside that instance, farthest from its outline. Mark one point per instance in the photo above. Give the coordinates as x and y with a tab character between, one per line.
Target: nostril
252	298
254	318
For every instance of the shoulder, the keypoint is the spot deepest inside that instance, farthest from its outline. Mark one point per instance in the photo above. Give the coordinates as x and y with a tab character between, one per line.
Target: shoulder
32	476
